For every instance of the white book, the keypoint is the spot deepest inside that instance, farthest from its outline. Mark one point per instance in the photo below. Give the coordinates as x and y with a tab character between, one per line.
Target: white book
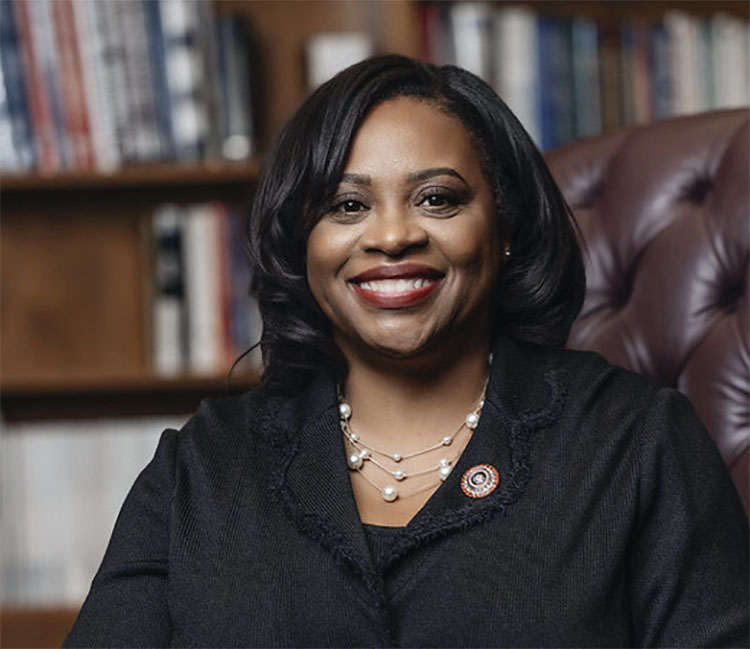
61	488
202	246
169	356
683	34
97	90
516	53
330	53
730	61
185	77
471	26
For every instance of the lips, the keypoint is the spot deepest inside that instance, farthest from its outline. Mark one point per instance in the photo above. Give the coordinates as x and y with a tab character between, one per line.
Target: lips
397	286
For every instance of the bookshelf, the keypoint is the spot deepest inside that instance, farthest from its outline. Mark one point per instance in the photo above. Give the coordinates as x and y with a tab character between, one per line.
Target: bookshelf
74	267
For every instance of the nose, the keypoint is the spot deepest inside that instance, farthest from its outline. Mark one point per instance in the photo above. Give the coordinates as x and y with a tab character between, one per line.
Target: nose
393	232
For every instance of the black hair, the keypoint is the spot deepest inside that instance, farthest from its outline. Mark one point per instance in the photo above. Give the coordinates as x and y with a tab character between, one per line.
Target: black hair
541	285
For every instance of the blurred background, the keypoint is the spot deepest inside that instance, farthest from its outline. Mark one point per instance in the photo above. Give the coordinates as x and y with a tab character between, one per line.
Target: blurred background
131	133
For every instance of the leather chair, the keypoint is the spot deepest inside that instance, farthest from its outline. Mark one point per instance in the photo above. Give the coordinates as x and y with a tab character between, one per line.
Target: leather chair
663	211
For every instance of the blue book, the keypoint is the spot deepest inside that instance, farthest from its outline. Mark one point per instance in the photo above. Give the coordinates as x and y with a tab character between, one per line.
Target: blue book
556	82
586	90
162	108
661	85
15	87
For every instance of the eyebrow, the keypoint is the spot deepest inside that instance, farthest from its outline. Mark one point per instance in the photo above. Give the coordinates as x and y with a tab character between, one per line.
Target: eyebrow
363	179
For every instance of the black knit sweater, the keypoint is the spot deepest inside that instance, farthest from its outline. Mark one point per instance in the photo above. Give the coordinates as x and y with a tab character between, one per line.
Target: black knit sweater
615	524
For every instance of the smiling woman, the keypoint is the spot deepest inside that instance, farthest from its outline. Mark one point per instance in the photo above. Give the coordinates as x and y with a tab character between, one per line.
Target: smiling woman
424	464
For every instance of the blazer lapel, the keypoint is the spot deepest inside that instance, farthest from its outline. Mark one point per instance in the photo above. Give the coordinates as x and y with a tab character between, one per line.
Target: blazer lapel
314	485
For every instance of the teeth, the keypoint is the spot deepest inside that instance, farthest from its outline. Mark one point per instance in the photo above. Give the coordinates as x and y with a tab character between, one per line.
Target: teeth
395	285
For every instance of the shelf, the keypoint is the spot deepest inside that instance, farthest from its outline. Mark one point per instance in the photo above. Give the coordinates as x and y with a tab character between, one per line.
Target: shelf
134	177
27	628
55	397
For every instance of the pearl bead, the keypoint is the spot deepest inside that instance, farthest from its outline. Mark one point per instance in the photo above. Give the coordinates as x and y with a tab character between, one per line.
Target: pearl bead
444	471
364	453
389	493
345	410
353	436
396	457
354	461
472	419
444	461
399	475
447	441
481	404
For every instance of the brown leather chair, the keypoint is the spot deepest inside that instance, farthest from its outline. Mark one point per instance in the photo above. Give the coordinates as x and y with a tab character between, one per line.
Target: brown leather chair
663	211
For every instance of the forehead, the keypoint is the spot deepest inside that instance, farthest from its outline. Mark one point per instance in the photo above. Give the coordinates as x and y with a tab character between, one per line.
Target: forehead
404	135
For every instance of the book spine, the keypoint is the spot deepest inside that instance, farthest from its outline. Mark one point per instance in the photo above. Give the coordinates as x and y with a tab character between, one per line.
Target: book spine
661	86
97	93
47	154
587	94
202	247
555	59
15	89
75	112
140	97
641	75
111	15
160	90
168	302
610	78
471	28
42	33
516	48
185	74
236	88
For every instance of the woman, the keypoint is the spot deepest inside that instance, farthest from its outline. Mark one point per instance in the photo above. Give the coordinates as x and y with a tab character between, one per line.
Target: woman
424	465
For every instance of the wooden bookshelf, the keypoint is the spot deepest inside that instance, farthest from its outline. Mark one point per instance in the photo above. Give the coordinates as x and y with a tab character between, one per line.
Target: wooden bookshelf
73	266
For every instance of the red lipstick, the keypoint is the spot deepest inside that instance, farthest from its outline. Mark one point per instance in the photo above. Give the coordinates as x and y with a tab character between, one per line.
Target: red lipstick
397	286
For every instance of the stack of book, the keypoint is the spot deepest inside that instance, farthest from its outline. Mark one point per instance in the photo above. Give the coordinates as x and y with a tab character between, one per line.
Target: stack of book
566	78
62	484
94	85
203	317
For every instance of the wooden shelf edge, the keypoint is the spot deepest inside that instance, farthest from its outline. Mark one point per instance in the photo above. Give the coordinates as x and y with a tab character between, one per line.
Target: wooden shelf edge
134	176
94	384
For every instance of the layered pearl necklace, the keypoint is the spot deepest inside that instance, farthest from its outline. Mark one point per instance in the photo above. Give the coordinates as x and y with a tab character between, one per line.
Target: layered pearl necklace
360	452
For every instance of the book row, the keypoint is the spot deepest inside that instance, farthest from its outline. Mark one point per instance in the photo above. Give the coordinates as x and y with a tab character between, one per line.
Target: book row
566	78
92	85
203	317
62	484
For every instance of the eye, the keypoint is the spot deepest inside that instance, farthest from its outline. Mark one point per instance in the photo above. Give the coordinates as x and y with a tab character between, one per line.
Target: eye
440	201
349	206
435	200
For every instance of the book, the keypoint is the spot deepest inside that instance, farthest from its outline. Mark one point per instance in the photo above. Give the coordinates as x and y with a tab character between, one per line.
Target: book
46	150
203	279
471	30
169	322
516	70
730	61
235	84
21	144
97	90
185	74
74	108
586	89
140	103
329	53
556	82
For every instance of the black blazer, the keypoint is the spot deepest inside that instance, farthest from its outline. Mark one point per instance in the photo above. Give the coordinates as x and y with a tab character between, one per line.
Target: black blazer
615	523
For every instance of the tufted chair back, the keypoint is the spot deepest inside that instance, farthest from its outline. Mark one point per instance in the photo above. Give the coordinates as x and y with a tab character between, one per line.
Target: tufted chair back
663	211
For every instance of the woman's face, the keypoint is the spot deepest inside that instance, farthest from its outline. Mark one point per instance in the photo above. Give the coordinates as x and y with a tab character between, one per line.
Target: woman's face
406	257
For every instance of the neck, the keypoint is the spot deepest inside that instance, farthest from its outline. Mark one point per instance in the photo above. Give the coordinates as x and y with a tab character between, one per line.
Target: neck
408	402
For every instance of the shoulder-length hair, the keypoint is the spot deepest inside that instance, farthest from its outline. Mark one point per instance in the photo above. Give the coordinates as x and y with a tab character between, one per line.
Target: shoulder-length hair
541	286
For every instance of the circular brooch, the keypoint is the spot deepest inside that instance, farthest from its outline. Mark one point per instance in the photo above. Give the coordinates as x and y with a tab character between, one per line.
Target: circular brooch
480	481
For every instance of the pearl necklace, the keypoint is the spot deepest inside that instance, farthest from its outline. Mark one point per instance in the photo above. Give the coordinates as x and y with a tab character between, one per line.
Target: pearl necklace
362	452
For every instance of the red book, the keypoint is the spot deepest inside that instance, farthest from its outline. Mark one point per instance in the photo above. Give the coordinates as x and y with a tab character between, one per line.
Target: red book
47	153
73	90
